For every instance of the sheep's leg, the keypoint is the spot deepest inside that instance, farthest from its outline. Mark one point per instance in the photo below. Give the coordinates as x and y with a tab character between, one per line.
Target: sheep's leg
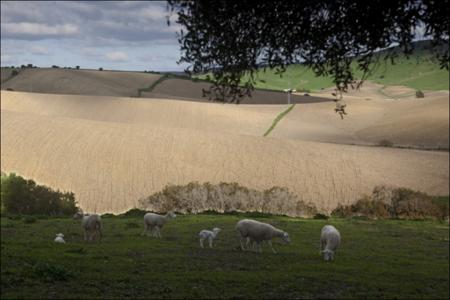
259	246
158	232
145	232
322	246
270	244
210	242
242	243
201	243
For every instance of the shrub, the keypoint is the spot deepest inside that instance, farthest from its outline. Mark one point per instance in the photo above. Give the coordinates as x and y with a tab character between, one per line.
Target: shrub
385	143
420	94
14	73
320	217
108	215
21	196
134	212
386	202
10	89
227	198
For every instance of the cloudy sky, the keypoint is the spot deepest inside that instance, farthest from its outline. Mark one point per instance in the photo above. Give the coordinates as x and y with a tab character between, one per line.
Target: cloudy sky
125	35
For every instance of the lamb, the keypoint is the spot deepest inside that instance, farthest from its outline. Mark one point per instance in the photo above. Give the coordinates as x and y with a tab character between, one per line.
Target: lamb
208	234
60	238
257	232
330	240
155	222
92	225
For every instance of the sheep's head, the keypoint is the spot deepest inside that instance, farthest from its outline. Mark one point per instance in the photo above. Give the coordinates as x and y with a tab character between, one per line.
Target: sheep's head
285	238
216	230
60	235
171	215
328	255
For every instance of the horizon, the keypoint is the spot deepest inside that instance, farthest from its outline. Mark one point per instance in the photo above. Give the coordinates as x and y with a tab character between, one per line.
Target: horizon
123	36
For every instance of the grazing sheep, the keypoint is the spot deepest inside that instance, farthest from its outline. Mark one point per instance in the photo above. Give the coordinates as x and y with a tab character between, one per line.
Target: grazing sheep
155	222
60	238
92	225
330	239
78	215
208	234
257	232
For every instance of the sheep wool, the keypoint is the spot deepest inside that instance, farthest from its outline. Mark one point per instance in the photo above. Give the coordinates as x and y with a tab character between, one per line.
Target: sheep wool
208	235
257	232
330	239
155	222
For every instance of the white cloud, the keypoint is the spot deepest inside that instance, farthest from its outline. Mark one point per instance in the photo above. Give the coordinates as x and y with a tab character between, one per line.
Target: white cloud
116	56
39	50
37	29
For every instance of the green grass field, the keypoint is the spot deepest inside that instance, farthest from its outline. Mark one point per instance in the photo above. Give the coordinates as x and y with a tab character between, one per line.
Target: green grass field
377	259
421	72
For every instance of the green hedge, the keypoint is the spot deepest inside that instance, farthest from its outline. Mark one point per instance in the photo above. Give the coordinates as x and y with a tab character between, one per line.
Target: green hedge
22	196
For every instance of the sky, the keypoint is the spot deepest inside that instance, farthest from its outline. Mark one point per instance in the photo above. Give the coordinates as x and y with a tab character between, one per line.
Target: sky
119	35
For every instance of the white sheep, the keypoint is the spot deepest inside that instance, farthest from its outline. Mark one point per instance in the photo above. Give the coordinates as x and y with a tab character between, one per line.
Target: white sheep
92	225
330	239
60	238
256	232
155	222
78	215
208	234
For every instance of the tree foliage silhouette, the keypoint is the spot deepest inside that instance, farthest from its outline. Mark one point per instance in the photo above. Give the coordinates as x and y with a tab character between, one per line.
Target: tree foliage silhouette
230	39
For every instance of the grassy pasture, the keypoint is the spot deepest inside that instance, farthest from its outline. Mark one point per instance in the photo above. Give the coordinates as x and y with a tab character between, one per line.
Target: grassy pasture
377	259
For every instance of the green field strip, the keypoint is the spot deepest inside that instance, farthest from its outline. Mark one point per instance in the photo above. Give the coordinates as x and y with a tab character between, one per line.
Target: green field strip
278	118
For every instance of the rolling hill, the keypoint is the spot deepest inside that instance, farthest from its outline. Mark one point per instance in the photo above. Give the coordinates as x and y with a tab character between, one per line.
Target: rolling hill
420	71
113	151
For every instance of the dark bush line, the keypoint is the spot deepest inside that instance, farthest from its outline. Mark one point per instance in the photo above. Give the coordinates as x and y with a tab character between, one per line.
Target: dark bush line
25	197
395	203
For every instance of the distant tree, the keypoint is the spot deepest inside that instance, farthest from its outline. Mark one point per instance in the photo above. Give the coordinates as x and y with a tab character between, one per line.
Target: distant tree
55	67
77	67
100	69
22	196
29	65
23	66
230	39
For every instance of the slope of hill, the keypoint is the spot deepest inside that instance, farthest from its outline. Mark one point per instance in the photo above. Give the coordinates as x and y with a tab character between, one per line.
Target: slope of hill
79	82
131	148
372	118
420	71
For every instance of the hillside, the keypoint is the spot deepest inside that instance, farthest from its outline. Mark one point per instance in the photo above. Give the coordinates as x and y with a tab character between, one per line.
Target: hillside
113	151
78	82
419	71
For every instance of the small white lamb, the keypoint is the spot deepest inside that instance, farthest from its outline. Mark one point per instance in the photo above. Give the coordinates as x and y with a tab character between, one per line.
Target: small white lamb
208	234
92	225
330	239
60	238
257	232
155	222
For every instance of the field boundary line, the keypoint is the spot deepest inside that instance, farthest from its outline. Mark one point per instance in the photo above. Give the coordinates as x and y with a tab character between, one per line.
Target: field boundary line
278	119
